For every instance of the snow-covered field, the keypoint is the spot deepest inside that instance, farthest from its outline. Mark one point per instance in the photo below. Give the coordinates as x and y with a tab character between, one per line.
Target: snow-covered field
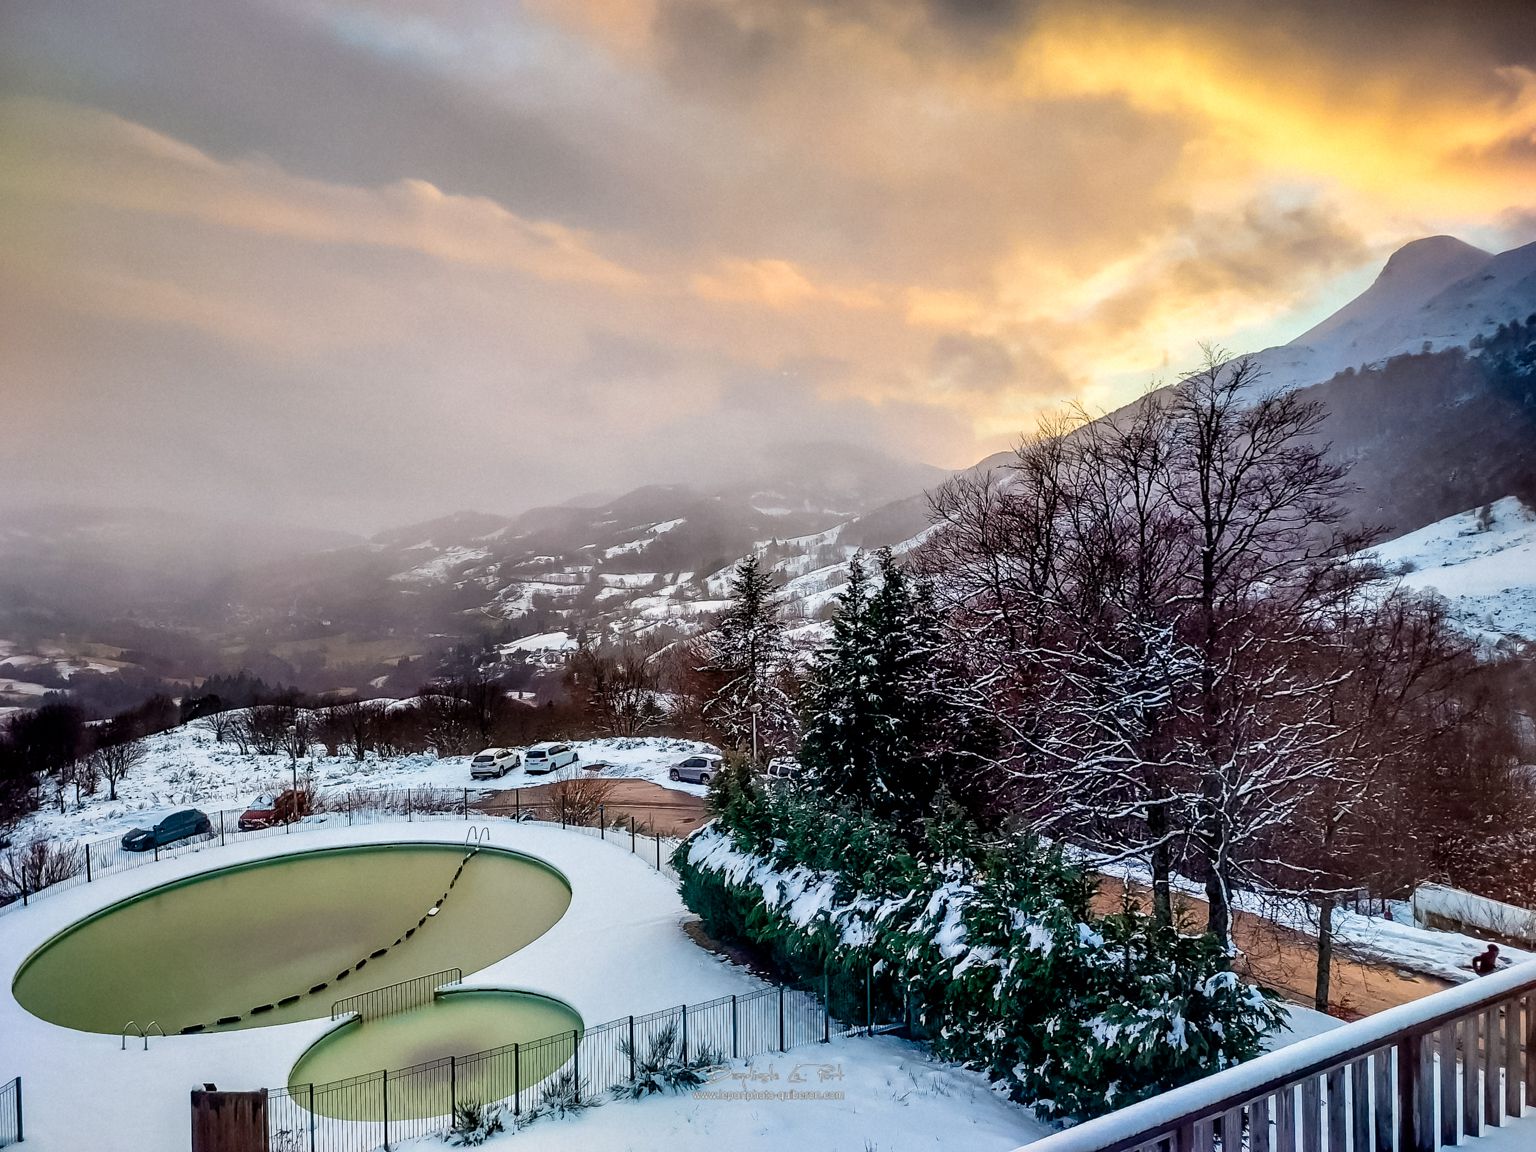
1485	567
187	767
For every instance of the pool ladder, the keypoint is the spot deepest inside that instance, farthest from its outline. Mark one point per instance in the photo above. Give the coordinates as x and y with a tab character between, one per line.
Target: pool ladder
132	1028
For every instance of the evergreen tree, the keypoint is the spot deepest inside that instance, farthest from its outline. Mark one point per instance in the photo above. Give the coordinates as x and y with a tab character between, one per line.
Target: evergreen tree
883	729
749	655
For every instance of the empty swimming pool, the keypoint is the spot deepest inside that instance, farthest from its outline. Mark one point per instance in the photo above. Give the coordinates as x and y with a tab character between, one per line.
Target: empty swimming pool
281	939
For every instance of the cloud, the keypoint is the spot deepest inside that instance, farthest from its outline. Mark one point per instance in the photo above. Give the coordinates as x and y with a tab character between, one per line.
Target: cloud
370	259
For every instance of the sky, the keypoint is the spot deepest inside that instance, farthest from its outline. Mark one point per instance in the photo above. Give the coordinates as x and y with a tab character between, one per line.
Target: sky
358	262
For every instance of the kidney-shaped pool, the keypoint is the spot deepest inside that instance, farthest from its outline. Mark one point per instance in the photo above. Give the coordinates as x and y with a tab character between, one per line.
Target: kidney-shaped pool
281	939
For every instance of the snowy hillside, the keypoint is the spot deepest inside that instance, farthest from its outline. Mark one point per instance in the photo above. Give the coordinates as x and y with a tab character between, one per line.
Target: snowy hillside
1482	561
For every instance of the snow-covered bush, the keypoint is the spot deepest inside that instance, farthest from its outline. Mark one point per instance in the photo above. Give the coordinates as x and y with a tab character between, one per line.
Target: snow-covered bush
474	1123
992	945
661	1067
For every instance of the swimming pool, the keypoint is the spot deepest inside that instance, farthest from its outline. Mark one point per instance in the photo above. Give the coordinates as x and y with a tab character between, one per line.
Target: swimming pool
281	939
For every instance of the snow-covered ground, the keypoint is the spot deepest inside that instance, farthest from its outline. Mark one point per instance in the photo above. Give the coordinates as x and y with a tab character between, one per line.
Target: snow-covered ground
187	767
1484	566
618	949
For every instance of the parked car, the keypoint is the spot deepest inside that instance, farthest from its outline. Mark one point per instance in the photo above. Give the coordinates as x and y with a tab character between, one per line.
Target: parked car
548	757
493	762
697	769
181	825
259	813
284	808
781	769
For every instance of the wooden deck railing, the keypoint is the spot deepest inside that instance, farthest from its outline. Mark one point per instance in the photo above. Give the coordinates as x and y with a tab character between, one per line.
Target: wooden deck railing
1415	1078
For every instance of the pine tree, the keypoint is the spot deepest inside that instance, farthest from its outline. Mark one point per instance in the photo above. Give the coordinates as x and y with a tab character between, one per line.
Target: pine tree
750	655
883	729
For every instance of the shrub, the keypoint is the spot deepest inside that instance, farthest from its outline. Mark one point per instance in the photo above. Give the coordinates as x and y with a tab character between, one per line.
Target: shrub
662	1068
992	944
474	1123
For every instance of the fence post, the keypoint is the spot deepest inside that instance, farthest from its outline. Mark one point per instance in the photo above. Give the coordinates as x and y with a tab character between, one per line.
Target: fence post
20	1129
157	851
453	1085
517	803
311	1118
23	893
869	999
349	809
781	1018
826	1007
631	835
658	851
576	1065
562	810
632	1048
466	803
517	1079
602	823
1413	1133
221	827
407	805
87	863
384	1084
685	1033
735	1040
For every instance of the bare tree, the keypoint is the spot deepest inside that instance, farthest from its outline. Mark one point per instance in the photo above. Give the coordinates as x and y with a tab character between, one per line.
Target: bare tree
113	762
620	685
297	735
350	724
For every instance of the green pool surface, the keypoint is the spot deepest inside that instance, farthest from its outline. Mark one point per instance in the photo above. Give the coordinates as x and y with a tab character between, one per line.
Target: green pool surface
456	1025
219	944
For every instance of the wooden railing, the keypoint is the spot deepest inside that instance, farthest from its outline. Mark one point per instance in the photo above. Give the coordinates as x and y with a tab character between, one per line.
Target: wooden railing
1415	1078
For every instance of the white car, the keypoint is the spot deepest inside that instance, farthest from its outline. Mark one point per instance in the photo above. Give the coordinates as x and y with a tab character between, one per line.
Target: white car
548	757
697	769
493	762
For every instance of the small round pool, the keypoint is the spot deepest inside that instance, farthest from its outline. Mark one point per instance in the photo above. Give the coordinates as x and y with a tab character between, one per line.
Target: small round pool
283	938
483	1022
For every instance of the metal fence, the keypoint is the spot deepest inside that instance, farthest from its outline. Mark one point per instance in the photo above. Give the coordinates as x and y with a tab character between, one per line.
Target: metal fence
72	864
11	1130
386	1107
399	997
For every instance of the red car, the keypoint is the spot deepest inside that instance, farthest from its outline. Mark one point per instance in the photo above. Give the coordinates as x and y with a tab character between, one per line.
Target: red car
264	811
260	813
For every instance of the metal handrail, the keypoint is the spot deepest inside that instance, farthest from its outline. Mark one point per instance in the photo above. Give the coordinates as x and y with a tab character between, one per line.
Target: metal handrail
432	979
137	1031
155	1024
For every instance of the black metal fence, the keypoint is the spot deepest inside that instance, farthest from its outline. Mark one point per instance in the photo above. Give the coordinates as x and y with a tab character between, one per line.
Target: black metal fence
386	1107
11	1129
398	997
69	864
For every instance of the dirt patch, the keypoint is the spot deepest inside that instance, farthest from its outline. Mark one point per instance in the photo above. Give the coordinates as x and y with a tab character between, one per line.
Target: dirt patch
1285	960
653	808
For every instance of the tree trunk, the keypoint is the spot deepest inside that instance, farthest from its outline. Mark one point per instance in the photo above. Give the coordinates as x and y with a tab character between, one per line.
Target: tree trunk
1219	918
1324	953
1162	867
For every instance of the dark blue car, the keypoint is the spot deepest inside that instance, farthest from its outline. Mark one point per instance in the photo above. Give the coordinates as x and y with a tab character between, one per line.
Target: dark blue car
181	825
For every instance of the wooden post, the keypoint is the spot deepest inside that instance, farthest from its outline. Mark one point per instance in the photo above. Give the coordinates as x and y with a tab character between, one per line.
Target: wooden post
1415	1096
1512	1057
1470	1089
1493	1059
1337	1117
1448	1114
1381	1077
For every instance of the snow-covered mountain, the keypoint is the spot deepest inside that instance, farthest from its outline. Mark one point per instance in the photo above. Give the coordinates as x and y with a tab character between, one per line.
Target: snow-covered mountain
1433	294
